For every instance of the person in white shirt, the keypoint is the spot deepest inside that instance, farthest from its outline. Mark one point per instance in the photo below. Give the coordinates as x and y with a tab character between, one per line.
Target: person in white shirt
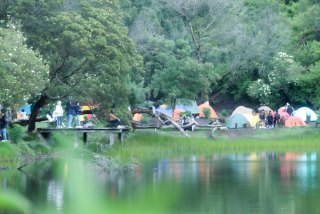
50	117
23	115
58	113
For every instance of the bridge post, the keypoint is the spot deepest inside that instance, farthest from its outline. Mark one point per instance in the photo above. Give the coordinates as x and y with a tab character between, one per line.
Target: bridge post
120	137
76	144
111	139
85	138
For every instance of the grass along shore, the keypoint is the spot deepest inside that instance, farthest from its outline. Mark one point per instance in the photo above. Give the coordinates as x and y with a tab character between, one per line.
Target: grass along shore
147	144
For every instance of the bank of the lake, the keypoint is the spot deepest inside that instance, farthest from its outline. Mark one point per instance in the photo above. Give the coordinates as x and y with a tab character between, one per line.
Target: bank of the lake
147	144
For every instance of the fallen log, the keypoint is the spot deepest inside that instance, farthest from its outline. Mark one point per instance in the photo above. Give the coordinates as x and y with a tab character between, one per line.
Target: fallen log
216	129
167	117
26	122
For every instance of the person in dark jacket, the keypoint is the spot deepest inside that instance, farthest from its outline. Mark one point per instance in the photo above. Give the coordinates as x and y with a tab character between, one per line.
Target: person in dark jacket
276	119
3	124
289	109
78	110
70	113
269	120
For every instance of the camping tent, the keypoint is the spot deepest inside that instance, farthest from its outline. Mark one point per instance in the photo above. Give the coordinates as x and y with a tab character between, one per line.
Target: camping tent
165	110
137	117
294	121
193	107
26	107
302	113
238	119
242	110
252	119
213	113
266	109
282	114
176	112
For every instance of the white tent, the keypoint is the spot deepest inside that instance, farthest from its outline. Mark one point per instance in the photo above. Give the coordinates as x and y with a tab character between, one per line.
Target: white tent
302	113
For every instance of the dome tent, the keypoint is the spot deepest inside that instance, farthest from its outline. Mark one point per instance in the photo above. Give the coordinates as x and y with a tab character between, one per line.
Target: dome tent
137	117
266	109
176	113
238	119
252	119
242	110
304	111
213	113
294	121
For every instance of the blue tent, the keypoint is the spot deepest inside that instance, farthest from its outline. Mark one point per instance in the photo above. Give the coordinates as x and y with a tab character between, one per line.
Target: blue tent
183	107
165	110
238	119
192	107
26	108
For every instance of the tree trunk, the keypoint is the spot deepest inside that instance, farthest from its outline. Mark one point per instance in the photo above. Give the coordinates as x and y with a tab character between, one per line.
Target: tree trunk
33	117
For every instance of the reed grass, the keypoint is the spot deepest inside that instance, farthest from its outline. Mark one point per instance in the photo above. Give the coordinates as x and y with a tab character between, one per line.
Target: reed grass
156	145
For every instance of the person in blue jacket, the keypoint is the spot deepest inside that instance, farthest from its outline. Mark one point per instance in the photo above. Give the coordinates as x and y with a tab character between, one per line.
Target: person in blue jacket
78	111
3	124
70	113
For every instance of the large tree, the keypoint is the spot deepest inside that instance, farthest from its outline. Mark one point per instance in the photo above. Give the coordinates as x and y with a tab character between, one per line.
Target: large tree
86	47
22	70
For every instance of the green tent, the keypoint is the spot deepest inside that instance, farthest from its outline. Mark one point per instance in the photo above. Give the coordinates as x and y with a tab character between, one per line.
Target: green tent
191	106
238	119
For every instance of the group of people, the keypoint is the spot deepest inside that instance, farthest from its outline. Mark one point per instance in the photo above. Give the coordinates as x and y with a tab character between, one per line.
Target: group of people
71	110
75	110
269	121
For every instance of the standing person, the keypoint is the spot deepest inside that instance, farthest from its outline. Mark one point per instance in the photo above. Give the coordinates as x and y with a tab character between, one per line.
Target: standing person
3	124
276	119
70	113
289	109
78	111
59	114
114	119
269	119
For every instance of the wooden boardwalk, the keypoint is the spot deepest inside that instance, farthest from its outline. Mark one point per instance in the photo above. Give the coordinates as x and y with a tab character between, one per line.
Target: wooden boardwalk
46	132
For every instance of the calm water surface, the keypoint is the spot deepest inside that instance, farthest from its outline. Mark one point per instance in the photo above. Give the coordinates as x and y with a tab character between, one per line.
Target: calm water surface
264	182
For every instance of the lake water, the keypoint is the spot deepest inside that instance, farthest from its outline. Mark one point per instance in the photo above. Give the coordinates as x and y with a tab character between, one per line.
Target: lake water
265	182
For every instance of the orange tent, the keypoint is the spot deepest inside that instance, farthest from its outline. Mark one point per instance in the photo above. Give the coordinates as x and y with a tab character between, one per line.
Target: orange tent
294	121
176	113
137	117
213	113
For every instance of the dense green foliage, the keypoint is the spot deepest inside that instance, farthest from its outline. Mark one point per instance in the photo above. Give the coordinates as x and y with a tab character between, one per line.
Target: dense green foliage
122	53
16	133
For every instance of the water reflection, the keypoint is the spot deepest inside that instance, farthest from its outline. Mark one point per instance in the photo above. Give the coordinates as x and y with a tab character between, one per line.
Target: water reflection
264	182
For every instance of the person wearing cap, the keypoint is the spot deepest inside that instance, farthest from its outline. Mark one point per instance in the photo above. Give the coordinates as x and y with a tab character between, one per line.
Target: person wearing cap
3	125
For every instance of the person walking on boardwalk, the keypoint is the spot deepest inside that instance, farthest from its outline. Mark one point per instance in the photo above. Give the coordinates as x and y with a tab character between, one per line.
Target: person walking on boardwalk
70	113
114	119
58	113
78	111
276	119
3	124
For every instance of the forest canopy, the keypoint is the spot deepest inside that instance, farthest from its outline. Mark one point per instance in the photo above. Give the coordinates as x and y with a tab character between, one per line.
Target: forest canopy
123	53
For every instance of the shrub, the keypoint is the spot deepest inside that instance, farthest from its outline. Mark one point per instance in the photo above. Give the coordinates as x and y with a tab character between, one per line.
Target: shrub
206	112
15	133
145	120
25	149
224	113
31	137
41	149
